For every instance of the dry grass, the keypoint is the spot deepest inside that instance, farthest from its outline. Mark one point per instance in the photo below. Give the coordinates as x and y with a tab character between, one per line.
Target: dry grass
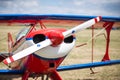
81	55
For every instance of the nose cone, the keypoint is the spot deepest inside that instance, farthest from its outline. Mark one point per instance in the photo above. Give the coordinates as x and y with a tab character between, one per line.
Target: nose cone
56	37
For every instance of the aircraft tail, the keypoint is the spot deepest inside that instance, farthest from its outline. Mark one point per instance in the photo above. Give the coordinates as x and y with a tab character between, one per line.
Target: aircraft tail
10	42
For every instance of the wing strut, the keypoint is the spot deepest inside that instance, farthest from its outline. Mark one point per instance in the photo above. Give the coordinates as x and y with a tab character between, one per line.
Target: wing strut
26	75
42	25
108	26
92	51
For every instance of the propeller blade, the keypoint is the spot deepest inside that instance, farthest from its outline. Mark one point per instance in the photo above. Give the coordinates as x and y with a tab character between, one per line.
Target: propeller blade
27	51
82	26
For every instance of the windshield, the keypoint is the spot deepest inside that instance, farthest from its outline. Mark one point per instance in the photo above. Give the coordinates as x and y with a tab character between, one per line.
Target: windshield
22	33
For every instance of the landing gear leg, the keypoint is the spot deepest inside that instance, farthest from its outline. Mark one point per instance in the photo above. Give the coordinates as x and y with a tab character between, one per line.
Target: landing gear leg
26	75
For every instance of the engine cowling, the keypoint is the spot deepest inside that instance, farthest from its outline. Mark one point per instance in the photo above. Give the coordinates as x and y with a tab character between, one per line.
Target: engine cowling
61	46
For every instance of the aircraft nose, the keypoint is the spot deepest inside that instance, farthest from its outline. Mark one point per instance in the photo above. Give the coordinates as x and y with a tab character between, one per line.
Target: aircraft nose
56	37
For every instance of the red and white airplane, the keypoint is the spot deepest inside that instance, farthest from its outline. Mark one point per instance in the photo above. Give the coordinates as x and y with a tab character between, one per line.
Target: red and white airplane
41	51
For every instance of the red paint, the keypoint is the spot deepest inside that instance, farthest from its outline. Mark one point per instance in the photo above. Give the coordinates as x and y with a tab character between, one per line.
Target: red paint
38	65
100	17
10	43
11	59
95	20
108	27
26	75
56	37
55	76
5	61
42	25
42	66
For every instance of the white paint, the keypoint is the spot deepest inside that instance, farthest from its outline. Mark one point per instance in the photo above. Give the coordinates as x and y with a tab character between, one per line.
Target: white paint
82	26
29	50
51	52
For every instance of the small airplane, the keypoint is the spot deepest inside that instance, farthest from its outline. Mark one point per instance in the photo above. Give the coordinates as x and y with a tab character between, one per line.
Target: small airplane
41	51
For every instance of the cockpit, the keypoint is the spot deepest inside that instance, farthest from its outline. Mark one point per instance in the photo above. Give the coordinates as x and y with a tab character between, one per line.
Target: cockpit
22	33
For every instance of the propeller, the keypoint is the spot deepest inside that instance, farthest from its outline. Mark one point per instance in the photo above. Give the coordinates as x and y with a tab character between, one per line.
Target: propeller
48	42
28	51
82	26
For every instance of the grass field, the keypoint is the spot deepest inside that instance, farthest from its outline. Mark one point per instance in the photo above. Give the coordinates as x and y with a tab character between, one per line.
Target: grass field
81	55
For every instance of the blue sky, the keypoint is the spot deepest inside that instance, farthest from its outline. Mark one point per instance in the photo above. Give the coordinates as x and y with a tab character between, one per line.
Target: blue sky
78	7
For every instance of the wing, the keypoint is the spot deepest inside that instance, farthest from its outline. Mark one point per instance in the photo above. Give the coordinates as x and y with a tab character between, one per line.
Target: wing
87	65
11	72
29	18
51	19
